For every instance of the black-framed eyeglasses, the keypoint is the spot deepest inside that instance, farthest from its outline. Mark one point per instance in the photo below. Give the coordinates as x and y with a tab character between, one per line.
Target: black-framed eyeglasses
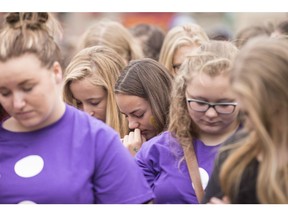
203	106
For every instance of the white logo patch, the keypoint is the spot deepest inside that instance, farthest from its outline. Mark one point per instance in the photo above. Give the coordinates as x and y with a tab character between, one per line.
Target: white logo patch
29	166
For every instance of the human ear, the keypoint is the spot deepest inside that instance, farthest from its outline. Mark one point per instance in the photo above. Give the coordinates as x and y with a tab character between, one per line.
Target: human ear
57	72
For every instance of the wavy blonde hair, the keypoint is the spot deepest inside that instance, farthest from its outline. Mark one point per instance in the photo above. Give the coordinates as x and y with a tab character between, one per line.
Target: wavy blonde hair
179	36
212	58
114	35
102	66
260	77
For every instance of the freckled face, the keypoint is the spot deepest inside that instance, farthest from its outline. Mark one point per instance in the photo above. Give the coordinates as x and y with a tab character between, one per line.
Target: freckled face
138	112
90	98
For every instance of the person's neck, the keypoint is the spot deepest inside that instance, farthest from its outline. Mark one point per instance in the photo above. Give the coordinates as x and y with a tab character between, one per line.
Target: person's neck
11	124
216	139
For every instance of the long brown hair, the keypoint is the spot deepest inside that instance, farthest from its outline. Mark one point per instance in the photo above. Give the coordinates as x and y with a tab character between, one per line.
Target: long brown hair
148	79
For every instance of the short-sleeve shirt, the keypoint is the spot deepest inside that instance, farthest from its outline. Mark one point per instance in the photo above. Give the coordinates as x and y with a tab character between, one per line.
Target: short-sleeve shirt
161	159
77	159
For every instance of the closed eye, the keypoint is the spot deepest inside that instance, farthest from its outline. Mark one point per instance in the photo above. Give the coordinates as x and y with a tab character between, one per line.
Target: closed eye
94	103
201	103
134	115
5	93
27	86
224	105
27	89
139	116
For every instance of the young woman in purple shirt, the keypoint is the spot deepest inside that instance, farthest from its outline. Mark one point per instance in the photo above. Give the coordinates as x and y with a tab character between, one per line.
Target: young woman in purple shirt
51	152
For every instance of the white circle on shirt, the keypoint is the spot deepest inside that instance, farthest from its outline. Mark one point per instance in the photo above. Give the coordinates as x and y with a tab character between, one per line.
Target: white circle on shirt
26	202
204	178
29	166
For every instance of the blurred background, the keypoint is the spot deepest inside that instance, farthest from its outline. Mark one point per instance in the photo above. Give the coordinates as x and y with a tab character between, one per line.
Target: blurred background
75	23
223	23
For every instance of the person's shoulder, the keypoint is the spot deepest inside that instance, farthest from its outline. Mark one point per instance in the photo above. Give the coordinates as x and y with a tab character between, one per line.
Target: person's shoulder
161	139
231	144
83	118
159	143
157	147
236	137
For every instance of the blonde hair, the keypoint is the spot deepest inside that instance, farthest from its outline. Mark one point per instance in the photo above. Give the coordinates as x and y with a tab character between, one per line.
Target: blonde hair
114	35
102	66
179	36
30	33
212	58
260	77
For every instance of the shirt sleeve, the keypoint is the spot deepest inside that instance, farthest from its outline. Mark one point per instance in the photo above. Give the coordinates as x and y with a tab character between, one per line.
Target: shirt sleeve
118	179
148	160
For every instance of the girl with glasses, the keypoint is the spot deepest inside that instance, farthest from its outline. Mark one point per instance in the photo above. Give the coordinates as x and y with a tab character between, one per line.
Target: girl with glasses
203	114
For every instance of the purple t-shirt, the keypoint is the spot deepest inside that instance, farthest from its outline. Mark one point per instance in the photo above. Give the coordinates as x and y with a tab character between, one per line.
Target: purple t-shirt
78	159
160	158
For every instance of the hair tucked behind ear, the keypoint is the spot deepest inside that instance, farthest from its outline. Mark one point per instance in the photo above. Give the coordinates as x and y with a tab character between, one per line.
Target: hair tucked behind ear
30	33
